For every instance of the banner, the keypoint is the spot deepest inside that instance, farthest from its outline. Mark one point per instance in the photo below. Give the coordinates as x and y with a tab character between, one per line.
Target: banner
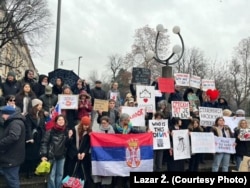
160	131
120	154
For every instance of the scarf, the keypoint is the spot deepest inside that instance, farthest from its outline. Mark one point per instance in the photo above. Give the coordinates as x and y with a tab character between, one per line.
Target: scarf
124	129
59	128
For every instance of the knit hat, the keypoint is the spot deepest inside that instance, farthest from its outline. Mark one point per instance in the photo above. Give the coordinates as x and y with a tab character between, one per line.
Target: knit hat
48	90
98	82
11	73
240	112
85	120
8	110
35	102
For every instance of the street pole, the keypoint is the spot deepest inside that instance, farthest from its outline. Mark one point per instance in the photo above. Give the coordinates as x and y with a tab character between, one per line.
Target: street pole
79	60
57	34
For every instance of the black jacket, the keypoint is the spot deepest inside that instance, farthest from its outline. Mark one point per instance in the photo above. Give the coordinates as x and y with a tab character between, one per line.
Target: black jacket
242	147
53	144
97	93
12	144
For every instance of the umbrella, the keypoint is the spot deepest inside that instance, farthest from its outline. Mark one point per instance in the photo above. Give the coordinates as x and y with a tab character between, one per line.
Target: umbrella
68	76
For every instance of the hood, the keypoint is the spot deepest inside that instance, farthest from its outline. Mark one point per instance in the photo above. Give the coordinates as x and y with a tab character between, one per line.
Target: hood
41	77
16	115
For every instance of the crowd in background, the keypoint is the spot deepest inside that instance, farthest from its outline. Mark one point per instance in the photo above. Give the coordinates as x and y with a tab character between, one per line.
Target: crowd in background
64	140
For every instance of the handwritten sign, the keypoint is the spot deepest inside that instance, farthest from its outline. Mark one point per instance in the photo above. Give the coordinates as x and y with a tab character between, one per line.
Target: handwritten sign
102	105
180	109
146	97
68	101
160	131
202	142
141	75
207	84
137	115
195	81
181	79
208	115
224	145
232	122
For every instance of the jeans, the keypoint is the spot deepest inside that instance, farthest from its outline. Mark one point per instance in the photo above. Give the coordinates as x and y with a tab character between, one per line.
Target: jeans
56	174
222	159
11	175
239	158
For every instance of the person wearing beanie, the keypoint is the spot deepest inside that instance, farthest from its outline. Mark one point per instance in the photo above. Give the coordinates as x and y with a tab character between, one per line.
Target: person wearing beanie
240	113
35	102
79	151
11	86
12	145
35	130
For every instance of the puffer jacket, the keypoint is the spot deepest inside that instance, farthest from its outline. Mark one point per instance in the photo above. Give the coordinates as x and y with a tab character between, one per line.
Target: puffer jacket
12	142
53	145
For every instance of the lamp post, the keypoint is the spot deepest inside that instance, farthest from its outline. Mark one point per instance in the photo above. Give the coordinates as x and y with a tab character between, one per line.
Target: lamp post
57	34
166	70
79	60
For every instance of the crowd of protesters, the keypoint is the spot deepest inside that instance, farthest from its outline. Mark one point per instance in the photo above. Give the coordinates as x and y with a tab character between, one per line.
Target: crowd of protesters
27	135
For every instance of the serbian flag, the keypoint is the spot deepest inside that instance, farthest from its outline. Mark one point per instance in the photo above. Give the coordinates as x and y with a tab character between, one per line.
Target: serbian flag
50	120
120	154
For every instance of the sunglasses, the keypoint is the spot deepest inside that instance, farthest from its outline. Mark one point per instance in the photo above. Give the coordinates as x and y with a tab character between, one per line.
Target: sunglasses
12	100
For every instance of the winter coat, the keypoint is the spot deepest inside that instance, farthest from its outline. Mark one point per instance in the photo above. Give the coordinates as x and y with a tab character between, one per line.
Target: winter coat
242	147
35	129
12	144
48	101
97	93
53	145
10	88
38	88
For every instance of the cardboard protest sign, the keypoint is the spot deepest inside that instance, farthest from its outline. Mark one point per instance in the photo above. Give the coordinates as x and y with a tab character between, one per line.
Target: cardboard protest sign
102	105
180	109
160	131
68	101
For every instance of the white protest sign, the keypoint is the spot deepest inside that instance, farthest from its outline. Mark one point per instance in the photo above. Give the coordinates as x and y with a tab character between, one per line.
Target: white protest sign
202	142
244	134
180	109
207	84
146	97
181	144
68	101
181	79
232	122
113	95
208	115
195	82
160	131
224	145
137	115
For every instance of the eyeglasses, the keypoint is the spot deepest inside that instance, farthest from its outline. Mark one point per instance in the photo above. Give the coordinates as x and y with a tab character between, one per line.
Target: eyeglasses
12	100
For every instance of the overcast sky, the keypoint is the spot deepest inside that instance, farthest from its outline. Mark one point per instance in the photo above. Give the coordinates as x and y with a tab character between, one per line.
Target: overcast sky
95	29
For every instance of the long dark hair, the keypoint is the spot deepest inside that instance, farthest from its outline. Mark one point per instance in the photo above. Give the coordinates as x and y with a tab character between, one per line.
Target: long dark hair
35	113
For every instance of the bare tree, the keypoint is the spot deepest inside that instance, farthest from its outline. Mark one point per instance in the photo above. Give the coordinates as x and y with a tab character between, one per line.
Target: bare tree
145	41
239	71
192	62
19	20
115	64
93	76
